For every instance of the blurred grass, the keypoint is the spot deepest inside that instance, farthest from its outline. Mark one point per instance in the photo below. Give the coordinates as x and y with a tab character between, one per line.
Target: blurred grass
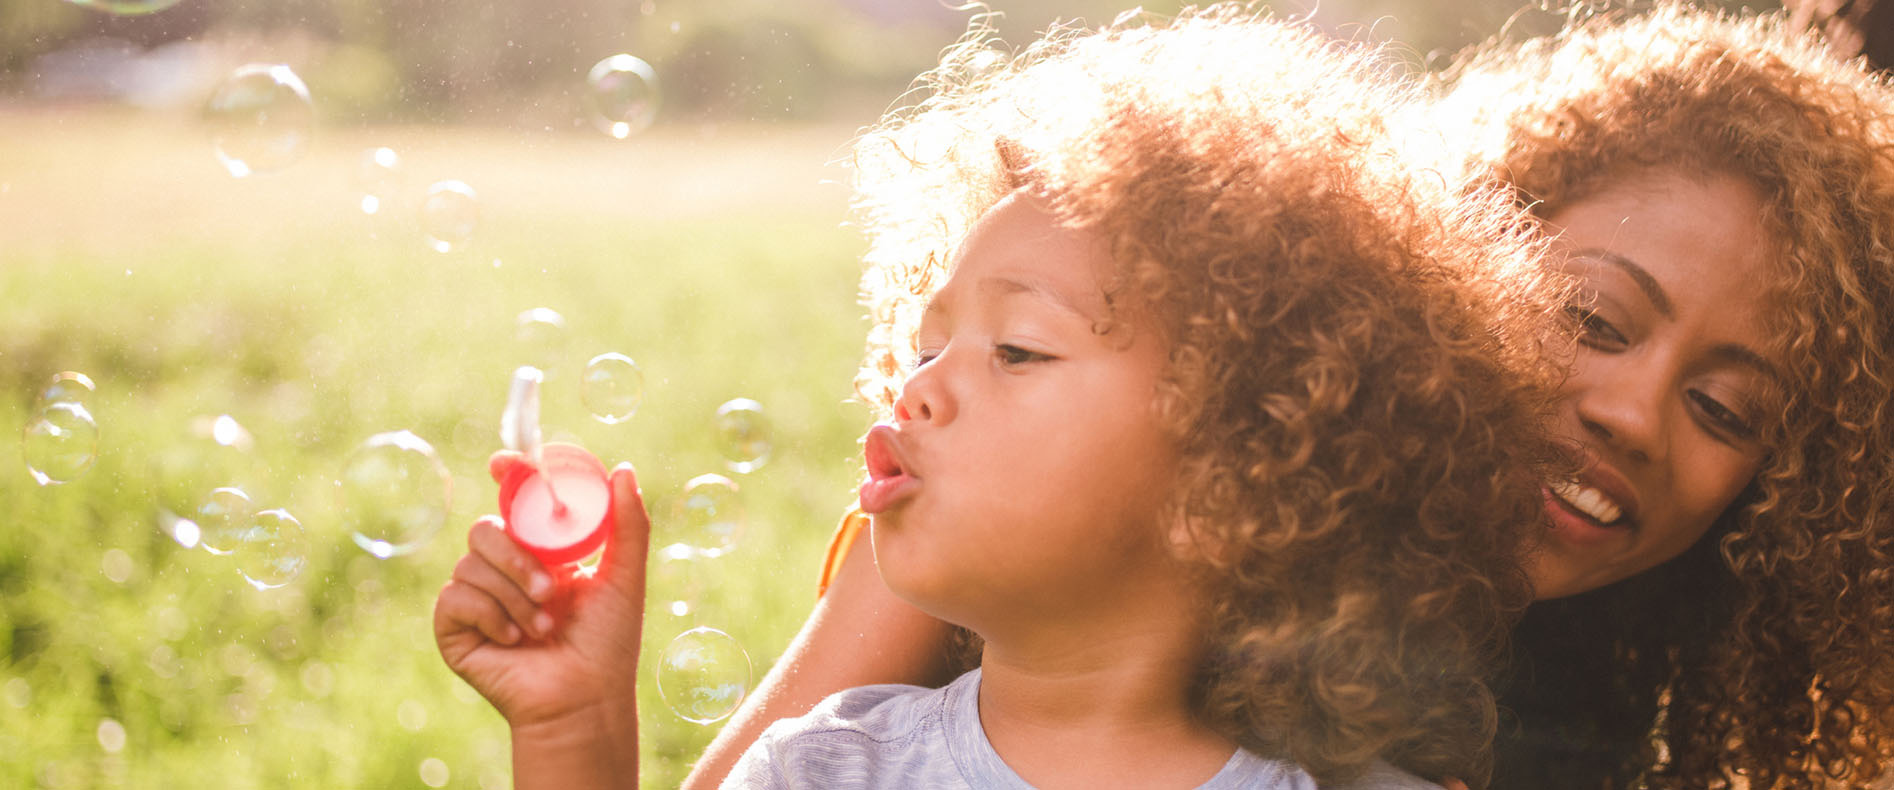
712	256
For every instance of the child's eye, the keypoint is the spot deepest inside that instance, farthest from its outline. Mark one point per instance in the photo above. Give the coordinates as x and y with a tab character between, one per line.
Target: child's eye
925	356
1594	330
1722	417
1014	355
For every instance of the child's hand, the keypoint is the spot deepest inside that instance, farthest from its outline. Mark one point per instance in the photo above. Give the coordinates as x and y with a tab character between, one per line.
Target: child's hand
549	649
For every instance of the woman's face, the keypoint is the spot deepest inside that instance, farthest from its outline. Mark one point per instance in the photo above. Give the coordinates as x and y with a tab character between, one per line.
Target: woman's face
1670	384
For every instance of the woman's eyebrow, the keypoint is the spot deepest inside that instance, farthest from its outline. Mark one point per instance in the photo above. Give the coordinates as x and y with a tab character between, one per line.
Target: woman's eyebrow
1732	353
1644	280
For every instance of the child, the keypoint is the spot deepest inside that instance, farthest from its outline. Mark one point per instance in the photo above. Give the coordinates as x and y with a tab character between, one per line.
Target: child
1214	424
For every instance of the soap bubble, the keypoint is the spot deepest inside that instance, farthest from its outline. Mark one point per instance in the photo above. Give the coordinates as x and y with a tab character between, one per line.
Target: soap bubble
125	7
379	179
621	95
449	214
541	333
223	518
395	493
59	443
260	119
67	387
271	550
743	435
709	515
210	451
677	579
612	388
703	675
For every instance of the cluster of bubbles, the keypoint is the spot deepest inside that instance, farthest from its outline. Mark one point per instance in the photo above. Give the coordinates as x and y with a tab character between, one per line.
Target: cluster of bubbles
394	489
61	438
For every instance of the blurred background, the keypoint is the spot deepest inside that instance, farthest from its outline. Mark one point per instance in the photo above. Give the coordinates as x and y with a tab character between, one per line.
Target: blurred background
270	237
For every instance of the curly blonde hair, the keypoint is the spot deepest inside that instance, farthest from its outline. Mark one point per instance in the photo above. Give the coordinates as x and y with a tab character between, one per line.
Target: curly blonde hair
1356	374
1768	651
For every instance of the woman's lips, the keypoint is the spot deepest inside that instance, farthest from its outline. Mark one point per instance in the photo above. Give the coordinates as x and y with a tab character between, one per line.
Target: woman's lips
890	479
1575	526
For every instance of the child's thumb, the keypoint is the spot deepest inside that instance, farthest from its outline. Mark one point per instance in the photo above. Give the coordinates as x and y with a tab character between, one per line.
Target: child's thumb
630	541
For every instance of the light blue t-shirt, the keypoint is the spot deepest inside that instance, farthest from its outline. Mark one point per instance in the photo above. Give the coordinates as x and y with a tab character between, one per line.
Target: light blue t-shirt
912	737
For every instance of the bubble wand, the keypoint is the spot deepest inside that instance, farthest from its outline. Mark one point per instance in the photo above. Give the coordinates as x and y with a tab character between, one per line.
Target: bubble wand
558	503
519	425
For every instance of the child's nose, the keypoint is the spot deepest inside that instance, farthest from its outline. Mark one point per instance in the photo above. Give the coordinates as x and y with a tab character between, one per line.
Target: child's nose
926	396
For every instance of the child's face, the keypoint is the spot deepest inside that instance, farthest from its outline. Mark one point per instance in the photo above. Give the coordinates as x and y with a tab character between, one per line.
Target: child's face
1023	474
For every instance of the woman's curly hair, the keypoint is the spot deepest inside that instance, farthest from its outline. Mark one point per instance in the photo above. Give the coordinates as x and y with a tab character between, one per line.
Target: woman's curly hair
1356	378
1767	652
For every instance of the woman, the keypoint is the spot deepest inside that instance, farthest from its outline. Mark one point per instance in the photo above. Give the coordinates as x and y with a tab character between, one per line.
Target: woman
1717	591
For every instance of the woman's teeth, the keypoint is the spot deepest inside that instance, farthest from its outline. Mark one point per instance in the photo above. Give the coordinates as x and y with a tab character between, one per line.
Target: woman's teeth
1587	500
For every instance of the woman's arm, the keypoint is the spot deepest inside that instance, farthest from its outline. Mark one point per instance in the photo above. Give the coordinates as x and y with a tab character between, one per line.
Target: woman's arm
859	634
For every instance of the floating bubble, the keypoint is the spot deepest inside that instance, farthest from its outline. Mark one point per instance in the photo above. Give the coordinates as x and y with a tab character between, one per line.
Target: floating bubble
541	332
59	443
709	515
743	435
395	493
223	518
449	214
67	387
211	451
621	95
260	119
434	772
272	550
379	179
677	580
703	675
612	388
125	7
111	735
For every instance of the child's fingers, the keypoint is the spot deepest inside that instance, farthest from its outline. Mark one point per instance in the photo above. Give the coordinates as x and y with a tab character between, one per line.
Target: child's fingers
462	606
476	572
630	542
502	462
518	565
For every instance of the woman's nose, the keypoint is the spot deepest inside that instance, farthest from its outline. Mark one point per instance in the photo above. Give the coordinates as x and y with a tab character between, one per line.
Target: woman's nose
1624	410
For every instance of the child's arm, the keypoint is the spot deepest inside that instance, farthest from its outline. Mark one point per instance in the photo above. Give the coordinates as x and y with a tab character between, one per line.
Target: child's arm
556	656
859	634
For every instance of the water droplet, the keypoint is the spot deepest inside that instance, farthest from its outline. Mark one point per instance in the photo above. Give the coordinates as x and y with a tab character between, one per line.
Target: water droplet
260	119
703	675
612	388
621	95
222	519
272	551
449	214
395	493
743	435
541	333
59	443
125	7
379	179
709	515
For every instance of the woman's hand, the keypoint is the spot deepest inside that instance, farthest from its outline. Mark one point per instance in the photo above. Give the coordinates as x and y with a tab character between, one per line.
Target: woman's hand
555	651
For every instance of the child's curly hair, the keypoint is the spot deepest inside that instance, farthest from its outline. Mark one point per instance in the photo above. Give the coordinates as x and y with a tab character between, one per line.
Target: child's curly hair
1773	642
1356	374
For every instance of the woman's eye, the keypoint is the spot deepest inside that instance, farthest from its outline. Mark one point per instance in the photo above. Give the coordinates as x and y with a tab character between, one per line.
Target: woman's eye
1593	329
1014	355
1724	418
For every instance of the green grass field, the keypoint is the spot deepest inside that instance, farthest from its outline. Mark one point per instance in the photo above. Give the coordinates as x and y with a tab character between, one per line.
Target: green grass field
715	257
